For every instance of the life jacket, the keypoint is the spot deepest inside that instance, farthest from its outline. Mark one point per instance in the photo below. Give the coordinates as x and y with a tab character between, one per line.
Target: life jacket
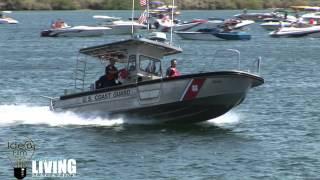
174	72
123	74
311	21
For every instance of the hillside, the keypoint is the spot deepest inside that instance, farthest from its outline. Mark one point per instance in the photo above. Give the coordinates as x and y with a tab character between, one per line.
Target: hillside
126	4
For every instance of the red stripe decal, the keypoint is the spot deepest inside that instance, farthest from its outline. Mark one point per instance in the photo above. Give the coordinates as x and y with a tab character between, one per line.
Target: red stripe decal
193	89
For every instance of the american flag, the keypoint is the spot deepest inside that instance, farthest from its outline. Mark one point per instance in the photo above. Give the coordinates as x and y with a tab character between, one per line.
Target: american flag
143	17
143	2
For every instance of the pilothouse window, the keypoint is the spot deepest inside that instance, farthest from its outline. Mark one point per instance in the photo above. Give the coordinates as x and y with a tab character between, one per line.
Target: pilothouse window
150	65
132	63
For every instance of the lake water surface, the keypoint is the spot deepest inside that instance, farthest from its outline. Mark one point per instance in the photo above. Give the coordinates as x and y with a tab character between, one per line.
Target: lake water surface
273	134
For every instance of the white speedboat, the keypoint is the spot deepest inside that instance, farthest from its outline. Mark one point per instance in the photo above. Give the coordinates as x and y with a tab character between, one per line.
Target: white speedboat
76	31
118	26
125	27
158	8
272	24
149	95
311	18
107	18
8	20
305	8
164	25
310	31
237	23
4	19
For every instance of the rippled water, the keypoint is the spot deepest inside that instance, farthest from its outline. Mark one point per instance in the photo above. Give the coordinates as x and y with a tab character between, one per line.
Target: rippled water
274	134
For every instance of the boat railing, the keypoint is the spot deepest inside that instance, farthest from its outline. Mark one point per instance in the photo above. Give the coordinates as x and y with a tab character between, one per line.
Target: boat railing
234	51
256	66
252	67
80	73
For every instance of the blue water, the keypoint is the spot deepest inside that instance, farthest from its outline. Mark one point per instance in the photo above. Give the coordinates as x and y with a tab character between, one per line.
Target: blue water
273	134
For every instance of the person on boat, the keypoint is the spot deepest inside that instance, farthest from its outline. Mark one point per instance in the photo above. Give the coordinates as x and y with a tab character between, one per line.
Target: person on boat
59	24
110	77
172	71
227	28
311	21
111	73
166	19
245	11
286	15
151	68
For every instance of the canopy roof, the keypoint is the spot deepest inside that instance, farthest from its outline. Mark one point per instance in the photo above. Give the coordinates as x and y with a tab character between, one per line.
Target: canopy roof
119	49
306	8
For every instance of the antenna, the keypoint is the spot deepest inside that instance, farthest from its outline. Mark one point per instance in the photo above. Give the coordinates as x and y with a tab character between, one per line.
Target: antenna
132	18
171	36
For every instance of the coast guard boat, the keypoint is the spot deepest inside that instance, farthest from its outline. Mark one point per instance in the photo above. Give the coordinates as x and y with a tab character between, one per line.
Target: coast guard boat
146	93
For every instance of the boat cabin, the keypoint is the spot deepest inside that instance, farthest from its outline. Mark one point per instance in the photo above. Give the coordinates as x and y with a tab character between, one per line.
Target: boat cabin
140	58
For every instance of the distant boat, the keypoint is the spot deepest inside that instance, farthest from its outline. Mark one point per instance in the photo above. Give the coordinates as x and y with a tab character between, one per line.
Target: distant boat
237	23
310	31
164	25
234	35
159	8
305	8
4	19
118	26
311	18
61	29
198	35
255	16
213	34
272	24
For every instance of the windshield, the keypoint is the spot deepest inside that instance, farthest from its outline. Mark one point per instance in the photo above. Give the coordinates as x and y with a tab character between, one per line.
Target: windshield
150	65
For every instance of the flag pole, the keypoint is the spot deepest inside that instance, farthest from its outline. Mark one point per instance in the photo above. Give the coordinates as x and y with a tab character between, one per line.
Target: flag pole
148	15
171	36
132	18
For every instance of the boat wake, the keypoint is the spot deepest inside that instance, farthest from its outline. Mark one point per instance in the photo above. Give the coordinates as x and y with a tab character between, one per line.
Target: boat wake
26	114
227	119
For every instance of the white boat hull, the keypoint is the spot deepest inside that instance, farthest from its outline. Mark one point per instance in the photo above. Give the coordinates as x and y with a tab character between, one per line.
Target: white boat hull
8	21
123	29
242	24
313	31
76	31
